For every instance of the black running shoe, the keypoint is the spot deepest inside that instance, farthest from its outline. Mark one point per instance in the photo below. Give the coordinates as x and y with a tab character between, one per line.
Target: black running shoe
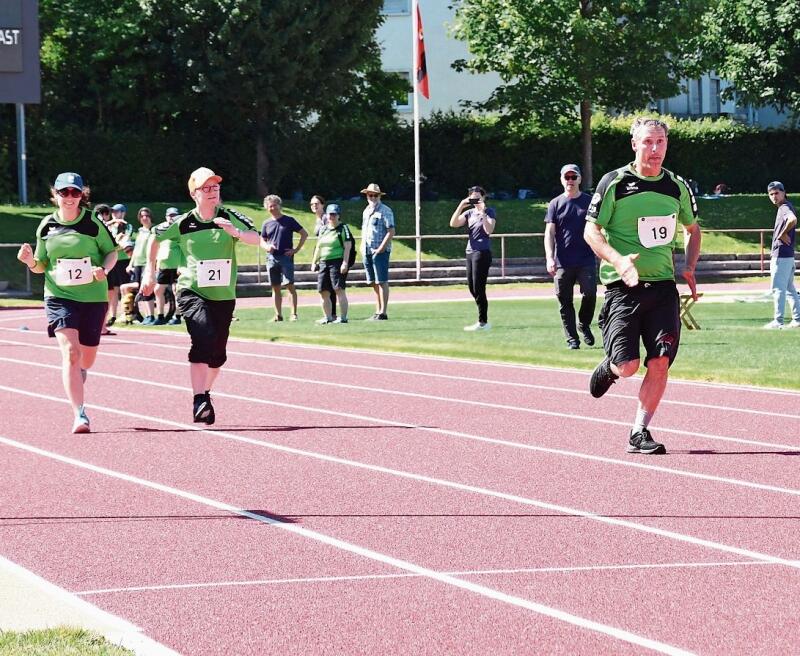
643	442
602	378
586	333
212	417
202	408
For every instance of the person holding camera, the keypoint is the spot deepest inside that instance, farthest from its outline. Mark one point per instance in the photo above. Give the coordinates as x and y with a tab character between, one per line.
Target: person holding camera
480	221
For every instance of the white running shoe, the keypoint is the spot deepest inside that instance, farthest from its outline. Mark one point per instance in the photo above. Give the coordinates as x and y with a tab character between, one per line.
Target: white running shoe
477	326
794	324
773	325
81	423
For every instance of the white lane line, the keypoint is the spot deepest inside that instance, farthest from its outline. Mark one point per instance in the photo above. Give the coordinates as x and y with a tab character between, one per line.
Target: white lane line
378	577
116	629
447	579
450	360
481	381
17	317
632	463
441	482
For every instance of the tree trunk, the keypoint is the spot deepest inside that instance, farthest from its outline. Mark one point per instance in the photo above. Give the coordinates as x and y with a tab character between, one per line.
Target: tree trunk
262	164
586	143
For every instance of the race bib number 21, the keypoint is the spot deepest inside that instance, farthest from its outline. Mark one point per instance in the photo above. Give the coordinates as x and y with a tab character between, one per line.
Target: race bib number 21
213	273
656	230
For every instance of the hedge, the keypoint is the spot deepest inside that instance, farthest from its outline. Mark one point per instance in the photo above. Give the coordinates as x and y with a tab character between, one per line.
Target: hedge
338	160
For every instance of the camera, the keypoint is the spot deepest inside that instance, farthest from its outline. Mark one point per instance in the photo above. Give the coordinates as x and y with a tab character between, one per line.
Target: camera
473	201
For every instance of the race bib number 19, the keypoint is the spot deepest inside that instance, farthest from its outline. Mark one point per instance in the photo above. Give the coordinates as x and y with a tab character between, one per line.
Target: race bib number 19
656	230
71	272
213	273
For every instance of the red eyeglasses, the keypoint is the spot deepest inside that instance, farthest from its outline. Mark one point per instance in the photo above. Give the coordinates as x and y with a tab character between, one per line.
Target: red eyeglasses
70	192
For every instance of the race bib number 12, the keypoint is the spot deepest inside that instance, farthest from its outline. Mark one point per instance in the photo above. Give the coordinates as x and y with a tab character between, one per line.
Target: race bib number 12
656	230
213	273
71	272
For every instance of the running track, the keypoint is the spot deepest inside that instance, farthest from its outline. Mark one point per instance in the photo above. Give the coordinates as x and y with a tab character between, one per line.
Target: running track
363	503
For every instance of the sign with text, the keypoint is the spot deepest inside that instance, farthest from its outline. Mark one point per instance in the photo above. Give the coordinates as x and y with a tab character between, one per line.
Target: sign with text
19	51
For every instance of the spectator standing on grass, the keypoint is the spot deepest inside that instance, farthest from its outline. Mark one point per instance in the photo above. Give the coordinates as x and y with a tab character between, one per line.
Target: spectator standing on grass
317	204
781	263
207	237
131	295
122	232
168	259
377	231
277	237
74	251
570	259
331	255
480	221
631	226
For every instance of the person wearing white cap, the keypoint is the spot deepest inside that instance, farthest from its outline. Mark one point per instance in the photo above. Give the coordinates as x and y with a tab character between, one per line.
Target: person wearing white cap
377	231
569	258
781	263
75	251
206	297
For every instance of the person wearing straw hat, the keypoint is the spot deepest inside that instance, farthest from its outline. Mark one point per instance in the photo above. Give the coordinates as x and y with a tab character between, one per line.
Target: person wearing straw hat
377	231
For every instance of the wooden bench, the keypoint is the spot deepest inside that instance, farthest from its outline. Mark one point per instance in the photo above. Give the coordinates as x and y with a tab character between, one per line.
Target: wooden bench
686	311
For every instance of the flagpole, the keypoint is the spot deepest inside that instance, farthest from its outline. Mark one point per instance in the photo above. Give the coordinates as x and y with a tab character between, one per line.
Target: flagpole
415	55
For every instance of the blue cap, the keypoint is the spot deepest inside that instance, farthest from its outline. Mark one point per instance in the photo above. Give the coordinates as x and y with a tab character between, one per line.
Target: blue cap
333	208
119	207
66	180
172	211
775	185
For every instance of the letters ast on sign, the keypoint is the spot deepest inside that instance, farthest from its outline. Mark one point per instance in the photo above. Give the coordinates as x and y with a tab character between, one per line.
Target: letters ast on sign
9	37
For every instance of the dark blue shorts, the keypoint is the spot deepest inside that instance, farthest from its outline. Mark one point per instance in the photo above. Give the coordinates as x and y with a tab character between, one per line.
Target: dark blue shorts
87	318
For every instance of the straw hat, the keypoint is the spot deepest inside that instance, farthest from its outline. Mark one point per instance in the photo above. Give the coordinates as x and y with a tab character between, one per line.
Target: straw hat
372	188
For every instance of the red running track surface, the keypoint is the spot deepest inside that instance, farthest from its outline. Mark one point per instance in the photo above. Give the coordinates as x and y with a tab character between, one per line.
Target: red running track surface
355	502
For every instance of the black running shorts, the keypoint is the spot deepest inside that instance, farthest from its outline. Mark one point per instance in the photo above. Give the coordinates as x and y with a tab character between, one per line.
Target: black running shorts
649	312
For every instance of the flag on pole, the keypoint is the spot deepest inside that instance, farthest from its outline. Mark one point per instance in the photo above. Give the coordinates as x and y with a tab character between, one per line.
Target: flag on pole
422	69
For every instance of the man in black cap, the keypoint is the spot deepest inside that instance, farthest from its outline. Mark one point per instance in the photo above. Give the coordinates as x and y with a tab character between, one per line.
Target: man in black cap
781	264
569	258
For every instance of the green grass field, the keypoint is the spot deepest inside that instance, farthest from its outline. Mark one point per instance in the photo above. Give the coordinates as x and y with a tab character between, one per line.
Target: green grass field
60	641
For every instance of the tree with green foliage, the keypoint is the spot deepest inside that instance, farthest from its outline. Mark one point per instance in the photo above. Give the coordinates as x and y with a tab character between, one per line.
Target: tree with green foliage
756	45
559	58
252	70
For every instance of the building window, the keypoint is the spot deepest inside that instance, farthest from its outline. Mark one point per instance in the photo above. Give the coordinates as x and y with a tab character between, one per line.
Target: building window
716	102
695	98
396	7
403	101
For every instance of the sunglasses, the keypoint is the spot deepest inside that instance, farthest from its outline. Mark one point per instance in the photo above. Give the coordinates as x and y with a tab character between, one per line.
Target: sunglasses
571	177
70	192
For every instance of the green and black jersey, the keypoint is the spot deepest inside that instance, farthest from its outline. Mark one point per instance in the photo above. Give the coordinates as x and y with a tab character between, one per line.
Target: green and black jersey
69	250
640	215
169	252
208	260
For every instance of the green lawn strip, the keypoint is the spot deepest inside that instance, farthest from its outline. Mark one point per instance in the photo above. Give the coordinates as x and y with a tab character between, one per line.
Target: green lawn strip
61	641
731	346
18	224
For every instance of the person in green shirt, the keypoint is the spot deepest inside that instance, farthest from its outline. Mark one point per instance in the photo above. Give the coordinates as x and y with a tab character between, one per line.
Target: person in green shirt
631	225
75	251
130	290
168	259
206	297
332	257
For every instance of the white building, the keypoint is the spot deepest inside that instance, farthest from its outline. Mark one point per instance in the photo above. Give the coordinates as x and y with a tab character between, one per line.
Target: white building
448	88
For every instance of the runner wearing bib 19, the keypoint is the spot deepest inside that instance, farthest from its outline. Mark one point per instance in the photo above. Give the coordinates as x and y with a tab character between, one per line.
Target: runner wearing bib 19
75	251
631	225
206	289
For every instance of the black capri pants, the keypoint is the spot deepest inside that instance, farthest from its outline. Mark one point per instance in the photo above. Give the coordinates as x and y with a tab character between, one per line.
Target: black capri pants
478	263
209	324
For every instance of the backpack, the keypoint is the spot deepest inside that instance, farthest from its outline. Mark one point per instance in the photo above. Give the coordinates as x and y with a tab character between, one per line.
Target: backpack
352	258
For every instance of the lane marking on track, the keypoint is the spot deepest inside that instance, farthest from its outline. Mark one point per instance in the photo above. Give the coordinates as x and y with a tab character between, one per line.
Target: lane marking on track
117	630
172	334
482	381
24	317
378	577
458	434
463	401
447	579
463	487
